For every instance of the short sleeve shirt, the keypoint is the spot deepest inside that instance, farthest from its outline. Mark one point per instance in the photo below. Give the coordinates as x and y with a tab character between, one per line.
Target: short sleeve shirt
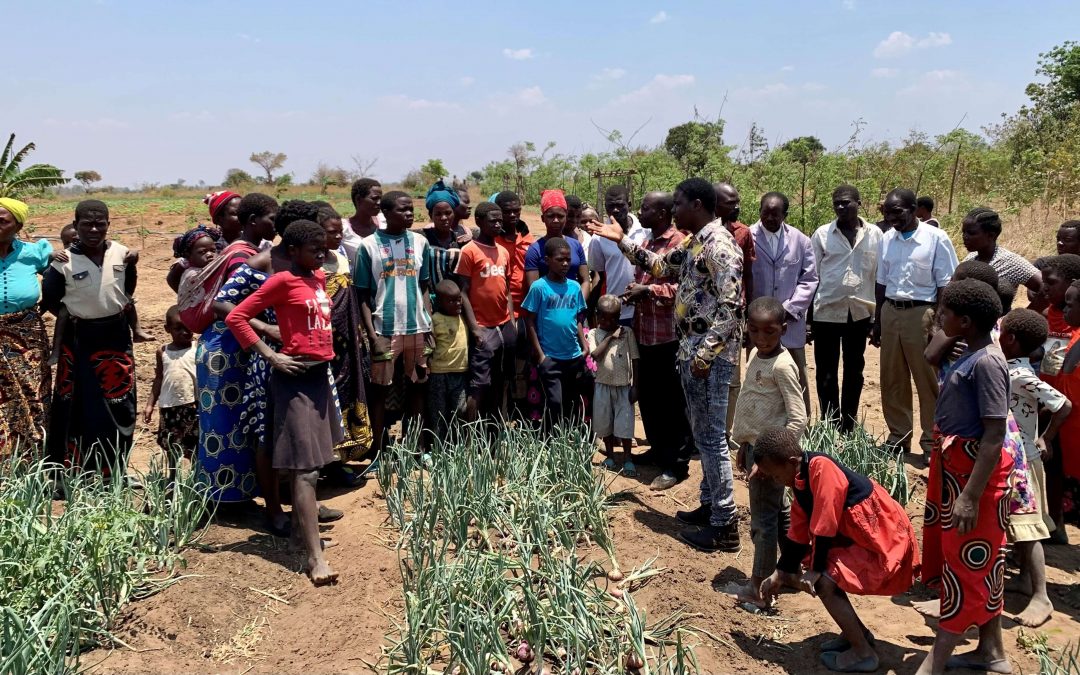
616	368
485	267
1029	396
557	306
534	259
451	353
20	287
605	256
393	268
976	389
1011	267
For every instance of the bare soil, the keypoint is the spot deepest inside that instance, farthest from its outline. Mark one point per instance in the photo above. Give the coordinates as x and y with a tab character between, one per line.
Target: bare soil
245	607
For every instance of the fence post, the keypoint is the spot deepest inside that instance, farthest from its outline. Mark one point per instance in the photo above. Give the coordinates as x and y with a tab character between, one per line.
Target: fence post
955	166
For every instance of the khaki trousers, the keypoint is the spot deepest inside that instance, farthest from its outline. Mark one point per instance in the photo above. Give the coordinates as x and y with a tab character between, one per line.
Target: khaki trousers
903	341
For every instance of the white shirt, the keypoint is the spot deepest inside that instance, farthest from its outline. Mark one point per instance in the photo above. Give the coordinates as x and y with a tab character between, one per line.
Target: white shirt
92	292
1028	396
177	377
772	238
604	256
846	273
914	268
350	240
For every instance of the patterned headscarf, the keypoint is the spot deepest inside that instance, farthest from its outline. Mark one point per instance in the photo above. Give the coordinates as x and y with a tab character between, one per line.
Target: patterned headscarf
550	199
182	244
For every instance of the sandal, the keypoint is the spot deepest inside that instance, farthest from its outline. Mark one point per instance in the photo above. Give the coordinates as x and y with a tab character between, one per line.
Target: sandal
628	469
867	665
841	644
609	464
329	515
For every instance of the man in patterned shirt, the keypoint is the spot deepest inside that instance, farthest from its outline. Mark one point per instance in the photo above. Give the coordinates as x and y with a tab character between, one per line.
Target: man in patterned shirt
708	318
660	398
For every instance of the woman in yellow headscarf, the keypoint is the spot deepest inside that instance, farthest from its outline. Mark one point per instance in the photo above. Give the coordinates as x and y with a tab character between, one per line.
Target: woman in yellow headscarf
24	369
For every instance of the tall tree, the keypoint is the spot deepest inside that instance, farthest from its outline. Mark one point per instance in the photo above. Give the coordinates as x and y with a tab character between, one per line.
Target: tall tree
18	182
87	178
270	162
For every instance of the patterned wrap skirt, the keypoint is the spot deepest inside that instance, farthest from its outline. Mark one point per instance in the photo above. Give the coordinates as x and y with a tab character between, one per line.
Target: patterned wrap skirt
225	457
969	569
24	383
93	415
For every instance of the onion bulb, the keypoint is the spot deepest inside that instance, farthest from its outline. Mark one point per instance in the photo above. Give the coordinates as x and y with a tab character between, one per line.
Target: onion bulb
615	575
616	593
524	652
634	662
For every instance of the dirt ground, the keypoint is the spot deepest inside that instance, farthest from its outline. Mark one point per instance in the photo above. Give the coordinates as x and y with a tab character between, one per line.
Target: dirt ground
244	607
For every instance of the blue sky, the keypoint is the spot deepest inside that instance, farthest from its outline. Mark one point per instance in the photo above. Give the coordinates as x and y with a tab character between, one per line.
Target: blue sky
154	91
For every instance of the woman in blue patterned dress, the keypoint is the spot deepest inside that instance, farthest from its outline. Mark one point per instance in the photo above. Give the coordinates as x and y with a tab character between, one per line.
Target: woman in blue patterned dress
225	461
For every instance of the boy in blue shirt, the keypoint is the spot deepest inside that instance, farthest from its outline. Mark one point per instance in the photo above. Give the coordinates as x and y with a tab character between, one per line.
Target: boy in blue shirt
553	310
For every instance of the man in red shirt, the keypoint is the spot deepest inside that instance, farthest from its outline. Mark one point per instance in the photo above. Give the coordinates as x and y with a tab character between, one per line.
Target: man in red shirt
727	210
489	308
660	398
515	238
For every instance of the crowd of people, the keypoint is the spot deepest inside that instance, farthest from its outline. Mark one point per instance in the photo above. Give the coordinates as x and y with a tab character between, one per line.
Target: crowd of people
300	336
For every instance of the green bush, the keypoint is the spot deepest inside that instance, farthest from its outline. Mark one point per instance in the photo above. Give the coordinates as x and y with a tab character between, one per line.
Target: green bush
66	573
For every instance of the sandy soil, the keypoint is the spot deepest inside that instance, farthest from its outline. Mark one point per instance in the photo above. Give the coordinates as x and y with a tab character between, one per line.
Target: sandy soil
245	608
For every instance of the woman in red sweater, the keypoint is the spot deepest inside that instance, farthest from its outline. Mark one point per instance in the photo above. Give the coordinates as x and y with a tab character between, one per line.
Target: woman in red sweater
303	418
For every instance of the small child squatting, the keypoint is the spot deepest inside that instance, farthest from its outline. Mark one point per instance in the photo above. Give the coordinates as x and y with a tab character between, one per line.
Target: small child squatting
850	534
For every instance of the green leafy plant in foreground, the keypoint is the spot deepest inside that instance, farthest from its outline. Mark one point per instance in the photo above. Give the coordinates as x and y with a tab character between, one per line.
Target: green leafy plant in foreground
498	567
863	453
67	569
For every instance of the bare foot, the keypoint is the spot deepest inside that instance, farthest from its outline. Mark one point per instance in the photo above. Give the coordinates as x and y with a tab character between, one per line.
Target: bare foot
321	573
140	336
1021	583
928	608
297	545
1036	613
749	595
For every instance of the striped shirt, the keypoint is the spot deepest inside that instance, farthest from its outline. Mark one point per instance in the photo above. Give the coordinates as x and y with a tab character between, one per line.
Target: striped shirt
395	269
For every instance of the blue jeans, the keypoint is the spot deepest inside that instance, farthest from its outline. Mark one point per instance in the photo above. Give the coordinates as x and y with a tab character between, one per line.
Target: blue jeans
707	401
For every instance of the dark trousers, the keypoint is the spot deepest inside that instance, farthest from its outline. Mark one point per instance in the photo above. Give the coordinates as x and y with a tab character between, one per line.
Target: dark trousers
663	407
829	340
562	387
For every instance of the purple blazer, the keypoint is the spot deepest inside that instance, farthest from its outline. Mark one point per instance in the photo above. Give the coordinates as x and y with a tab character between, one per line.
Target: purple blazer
790	276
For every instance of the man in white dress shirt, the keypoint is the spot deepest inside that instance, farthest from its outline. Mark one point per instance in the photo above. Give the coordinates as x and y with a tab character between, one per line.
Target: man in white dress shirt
916	262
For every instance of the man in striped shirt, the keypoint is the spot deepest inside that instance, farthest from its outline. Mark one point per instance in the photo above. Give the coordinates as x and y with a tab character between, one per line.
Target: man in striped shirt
391	276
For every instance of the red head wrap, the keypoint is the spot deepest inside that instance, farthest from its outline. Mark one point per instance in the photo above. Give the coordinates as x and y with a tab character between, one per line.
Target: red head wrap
218	199
552	198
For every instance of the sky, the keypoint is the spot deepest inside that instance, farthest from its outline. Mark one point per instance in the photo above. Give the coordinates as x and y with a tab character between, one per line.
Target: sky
152	92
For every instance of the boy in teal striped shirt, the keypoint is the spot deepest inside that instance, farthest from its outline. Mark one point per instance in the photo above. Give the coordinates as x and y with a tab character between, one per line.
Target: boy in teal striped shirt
390	274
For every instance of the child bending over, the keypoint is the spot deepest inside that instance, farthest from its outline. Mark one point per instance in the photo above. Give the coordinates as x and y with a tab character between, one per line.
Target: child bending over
615	351
174	392
771	395
1022	332
68	237
968	493
303	415
854	537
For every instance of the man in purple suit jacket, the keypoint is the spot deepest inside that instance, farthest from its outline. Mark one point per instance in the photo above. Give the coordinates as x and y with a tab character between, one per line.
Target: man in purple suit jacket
785	270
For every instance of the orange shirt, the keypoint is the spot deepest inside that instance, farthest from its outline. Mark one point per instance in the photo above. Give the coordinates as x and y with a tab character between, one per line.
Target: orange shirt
515	271
485	267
